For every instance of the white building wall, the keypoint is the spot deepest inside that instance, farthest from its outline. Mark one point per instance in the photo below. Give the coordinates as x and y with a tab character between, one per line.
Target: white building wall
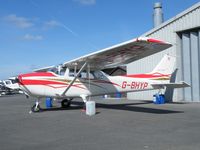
167	31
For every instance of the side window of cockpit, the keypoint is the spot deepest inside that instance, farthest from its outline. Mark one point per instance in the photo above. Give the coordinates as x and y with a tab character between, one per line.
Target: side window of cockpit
84	75
98	75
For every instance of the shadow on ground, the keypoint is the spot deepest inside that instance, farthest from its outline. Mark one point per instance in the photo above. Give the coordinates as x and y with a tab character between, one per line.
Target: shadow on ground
134	107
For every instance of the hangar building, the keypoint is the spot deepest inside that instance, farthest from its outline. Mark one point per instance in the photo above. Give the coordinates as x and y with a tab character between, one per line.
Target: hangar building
183	31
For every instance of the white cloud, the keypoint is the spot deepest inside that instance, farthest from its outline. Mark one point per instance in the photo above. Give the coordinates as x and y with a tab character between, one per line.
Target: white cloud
20	22
86	2
33	37
52	23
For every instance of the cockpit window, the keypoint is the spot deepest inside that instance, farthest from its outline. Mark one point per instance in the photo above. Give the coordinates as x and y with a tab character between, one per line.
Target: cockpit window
71	72
84	75
98	74
57	71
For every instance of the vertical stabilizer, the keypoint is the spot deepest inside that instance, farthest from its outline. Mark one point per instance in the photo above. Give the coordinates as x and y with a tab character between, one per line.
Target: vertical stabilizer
165	66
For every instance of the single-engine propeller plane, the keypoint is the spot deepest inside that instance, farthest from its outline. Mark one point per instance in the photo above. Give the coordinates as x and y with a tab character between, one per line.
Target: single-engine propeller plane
87	79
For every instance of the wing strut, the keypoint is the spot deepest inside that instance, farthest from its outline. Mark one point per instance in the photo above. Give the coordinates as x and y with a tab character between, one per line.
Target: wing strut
76	76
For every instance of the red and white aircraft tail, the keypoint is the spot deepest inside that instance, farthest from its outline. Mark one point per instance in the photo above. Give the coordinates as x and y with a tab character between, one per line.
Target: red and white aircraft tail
162	72
165	69
165	66
160	76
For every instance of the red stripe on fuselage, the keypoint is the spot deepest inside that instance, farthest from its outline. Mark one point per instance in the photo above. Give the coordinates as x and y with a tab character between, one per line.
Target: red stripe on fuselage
38	74
48	83
40	82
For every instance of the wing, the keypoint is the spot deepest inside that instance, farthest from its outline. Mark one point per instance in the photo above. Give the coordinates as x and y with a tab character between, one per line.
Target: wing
44	69
120	54
171	85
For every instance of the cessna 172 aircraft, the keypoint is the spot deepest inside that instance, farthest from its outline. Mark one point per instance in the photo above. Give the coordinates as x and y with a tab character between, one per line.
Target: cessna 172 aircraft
88	79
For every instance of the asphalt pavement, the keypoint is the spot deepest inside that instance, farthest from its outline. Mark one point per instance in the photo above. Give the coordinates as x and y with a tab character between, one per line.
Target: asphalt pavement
119	124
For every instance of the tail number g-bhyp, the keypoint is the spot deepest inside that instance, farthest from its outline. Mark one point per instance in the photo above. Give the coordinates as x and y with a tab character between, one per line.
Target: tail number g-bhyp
134	85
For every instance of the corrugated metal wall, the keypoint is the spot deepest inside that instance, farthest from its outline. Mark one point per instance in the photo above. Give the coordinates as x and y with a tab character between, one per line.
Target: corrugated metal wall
190	45
169	31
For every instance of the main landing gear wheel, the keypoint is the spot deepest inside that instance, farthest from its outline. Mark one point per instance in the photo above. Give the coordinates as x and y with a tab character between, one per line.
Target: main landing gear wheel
35	108
66	103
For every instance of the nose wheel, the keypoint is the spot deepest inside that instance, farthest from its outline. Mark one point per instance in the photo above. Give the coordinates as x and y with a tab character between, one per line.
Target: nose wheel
36	107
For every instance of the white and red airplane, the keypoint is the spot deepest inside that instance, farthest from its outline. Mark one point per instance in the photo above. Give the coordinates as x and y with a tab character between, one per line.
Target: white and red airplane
88	80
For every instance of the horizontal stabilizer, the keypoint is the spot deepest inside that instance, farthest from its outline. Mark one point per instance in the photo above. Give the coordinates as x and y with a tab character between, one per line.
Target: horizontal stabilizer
181	84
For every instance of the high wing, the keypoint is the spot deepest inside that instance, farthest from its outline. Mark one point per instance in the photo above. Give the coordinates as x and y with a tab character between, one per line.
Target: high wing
120	54
44	69
182	84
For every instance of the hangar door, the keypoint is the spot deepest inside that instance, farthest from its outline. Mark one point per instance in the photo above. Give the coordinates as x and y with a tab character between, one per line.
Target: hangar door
190	49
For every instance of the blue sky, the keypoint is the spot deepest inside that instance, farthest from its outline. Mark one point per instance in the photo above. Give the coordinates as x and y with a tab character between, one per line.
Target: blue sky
39	33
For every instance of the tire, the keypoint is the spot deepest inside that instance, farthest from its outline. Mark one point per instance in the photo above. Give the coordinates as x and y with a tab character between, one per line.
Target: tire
65	103
34	109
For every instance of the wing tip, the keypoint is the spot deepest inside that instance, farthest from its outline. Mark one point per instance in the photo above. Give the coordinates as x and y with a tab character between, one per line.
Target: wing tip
152	40
156	41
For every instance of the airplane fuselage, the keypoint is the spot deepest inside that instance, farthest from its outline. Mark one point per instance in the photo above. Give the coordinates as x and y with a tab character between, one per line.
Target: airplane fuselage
51	85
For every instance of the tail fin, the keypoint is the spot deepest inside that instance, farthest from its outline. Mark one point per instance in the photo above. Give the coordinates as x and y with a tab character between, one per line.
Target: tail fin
165	66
